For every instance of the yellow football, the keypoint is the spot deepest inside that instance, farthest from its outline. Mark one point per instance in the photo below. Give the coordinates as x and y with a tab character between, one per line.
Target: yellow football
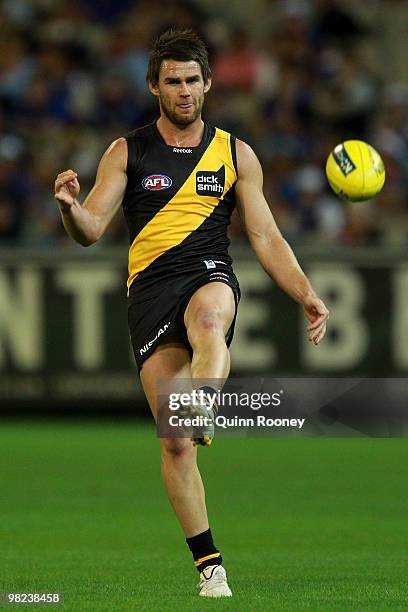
355	171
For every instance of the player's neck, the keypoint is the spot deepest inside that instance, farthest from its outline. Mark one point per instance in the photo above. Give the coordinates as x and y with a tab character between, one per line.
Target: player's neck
181	136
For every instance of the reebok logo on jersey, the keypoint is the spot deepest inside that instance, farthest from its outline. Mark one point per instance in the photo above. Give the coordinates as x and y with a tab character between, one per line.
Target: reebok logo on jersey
156	182
210	183
181	150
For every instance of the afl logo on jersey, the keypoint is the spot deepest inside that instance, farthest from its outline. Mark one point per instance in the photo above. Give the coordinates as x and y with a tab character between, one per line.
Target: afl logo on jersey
156	182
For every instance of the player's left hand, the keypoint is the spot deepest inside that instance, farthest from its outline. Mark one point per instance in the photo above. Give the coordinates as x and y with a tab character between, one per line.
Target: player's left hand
317	314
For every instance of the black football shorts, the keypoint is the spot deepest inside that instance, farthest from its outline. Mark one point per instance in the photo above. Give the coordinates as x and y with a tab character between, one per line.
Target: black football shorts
156	316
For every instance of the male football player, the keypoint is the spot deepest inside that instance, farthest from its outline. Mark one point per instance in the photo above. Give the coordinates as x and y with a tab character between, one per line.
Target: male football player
177	181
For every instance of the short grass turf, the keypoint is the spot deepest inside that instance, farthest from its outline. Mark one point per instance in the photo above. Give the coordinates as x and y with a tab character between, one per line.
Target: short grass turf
304	524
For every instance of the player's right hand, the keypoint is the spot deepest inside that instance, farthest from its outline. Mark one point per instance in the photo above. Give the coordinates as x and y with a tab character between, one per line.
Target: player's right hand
67	187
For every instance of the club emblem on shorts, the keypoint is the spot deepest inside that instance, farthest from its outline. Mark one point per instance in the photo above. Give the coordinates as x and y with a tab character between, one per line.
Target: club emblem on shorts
156	182
211	183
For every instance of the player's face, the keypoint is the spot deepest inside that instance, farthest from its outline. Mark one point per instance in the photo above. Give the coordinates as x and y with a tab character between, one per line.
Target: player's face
181	90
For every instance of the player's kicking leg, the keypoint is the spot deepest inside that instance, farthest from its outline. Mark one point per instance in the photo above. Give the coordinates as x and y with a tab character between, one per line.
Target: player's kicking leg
208	317
181	476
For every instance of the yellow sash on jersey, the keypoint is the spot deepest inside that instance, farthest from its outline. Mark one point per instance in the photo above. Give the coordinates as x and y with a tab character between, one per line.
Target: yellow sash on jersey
185	212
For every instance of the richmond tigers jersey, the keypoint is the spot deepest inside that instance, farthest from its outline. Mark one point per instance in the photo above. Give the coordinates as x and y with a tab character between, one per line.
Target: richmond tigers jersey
178	203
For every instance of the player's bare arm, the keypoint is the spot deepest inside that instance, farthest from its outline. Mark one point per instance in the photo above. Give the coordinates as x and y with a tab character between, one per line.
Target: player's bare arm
87	222
271	249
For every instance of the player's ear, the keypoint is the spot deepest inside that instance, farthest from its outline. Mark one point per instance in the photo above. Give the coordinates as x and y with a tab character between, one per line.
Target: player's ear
154	88
207	86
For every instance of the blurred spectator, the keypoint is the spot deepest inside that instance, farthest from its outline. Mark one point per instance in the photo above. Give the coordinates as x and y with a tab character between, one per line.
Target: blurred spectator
236	65
333	22
17	69
13	190
347	95
317	212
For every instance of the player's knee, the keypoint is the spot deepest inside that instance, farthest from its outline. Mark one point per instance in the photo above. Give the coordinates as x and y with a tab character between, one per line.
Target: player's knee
207	320
177	449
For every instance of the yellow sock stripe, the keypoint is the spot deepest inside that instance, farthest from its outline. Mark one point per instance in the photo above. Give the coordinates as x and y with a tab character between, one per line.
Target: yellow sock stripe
212	556
185	212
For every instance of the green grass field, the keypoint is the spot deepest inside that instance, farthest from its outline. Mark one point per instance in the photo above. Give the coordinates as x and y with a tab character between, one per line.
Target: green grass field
304	524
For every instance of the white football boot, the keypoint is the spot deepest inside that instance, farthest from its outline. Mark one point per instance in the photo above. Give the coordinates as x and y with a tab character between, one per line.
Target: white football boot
203	434
213	582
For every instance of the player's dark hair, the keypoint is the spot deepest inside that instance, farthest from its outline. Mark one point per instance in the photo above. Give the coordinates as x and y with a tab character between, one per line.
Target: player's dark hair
181	46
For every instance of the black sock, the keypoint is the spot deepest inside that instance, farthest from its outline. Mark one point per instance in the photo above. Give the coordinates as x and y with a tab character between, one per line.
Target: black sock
203	550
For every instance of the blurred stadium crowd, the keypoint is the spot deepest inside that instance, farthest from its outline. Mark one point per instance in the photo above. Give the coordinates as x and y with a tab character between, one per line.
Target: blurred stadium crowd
72	79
